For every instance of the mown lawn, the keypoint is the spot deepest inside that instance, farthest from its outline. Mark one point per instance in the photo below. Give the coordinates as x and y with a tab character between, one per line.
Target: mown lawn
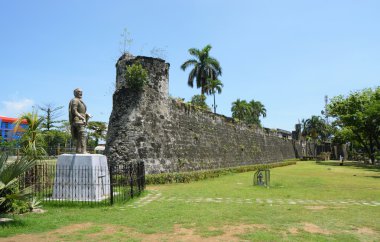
306	202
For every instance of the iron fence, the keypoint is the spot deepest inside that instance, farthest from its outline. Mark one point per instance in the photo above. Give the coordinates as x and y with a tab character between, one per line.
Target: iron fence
50	150
80	184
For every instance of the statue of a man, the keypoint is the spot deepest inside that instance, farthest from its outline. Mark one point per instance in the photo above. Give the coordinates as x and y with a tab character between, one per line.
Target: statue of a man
78	120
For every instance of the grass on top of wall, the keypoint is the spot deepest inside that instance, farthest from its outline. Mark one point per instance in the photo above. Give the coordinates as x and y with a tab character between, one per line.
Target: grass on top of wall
186	177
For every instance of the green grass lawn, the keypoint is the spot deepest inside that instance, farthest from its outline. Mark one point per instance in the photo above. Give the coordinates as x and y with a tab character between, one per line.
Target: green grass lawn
307	201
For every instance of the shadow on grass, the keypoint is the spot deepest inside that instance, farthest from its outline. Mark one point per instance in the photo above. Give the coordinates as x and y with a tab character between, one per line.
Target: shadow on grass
352	164
373	176
13	223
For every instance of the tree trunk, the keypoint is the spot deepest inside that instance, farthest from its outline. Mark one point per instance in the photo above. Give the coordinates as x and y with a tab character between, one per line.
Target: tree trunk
214	104
372	150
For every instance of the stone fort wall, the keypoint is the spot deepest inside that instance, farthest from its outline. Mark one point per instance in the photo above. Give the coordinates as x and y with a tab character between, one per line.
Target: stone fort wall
172	136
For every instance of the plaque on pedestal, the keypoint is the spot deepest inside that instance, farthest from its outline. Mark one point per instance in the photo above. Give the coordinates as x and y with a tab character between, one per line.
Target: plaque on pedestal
81	177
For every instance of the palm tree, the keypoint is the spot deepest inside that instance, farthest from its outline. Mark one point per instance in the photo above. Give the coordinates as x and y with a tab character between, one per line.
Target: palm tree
240	109
257	109
212	87
32	133
204	67
314	127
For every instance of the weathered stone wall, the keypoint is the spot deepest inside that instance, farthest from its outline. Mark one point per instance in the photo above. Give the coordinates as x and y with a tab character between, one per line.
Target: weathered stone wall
171	136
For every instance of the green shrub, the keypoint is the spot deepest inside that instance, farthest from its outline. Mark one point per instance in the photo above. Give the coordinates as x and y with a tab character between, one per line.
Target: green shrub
186	177
12	199
136	77
199	102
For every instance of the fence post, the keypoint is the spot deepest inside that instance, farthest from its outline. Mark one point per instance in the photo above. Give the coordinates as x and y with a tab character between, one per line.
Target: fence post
111	171
131	178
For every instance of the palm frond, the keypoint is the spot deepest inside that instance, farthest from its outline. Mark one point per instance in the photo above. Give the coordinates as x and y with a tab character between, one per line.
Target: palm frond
188	63
195	52
192	76
14	169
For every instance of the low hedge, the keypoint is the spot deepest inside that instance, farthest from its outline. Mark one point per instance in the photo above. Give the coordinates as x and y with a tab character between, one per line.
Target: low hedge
185	177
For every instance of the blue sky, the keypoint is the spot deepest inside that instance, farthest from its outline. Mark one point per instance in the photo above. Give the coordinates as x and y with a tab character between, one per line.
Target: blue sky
286	54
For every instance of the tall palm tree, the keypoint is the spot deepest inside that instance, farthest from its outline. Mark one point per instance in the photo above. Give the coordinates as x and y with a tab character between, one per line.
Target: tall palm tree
204	67
240	109
214	86
32	133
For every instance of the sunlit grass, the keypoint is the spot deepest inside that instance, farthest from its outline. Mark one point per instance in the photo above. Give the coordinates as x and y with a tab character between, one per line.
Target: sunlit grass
207	218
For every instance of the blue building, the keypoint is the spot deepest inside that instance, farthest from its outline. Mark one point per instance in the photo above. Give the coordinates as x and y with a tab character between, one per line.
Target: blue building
7	132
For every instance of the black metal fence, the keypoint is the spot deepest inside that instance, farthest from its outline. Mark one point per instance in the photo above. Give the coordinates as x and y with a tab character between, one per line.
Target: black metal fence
81	184
50	151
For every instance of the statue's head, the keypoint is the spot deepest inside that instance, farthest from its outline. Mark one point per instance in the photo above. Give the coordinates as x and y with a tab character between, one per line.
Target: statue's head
78	93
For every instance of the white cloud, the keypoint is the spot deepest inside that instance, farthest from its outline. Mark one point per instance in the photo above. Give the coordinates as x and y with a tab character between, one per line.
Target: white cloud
15	108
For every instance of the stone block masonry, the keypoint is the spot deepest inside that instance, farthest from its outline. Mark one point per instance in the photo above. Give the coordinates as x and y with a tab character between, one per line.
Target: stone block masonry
171	136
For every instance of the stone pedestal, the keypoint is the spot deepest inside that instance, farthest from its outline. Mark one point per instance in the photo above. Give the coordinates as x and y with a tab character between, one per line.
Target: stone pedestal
81	177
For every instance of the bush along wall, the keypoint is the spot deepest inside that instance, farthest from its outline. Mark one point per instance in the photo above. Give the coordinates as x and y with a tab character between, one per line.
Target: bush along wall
186	177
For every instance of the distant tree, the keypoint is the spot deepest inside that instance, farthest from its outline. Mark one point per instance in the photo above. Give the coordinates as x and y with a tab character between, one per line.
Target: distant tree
359	112
248	112
97	130
240	109
31	139
50	114
65	126
200	102
204	67
315	128
212	87
256	109
54	138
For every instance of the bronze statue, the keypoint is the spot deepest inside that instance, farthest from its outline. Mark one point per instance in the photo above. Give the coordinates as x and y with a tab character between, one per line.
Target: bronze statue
78	119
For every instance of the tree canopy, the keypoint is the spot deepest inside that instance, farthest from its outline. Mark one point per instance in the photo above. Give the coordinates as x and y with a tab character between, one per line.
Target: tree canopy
97	130
358	118
213	87
248	112
51	114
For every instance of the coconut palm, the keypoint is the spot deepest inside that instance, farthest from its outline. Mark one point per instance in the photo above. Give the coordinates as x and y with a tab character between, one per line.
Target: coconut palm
32	133
204	67
256	109
214	86
240	109
314	127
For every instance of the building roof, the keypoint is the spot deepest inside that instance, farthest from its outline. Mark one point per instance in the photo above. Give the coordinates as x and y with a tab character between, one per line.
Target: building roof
11	120
284	131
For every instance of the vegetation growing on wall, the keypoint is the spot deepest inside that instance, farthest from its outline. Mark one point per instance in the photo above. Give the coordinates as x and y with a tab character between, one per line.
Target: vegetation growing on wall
136	77
199	101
